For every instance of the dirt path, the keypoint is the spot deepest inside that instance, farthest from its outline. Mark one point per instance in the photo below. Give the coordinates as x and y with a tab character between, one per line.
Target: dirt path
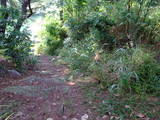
45	94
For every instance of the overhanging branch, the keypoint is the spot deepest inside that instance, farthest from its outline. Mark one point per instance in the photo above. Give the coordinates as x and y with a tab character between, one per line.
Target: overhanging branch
30	9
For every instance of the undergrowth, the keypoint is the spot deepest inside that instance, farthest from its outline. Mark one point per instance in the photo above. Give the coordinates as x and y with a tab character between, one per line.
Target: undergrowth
7	110
122	107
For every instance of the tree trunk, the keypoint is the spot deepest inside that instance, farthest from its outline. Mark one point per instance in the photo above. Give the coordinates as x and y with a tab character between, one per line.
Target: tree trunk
61	11
25	7
4	18
3	3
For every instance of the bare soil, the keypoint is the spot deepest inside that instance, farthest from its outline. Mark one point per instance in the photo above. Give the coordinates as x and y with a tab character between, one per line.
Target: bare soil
44	93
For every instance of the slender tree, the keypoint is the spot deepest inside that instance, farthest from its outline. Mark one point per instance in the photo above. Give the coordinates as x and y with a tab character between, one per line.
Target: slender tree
4	17
26	12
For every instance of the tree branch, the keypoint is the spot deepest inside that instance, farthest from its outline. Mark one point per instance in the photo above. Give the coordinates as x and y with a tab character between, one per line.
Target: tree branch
30	9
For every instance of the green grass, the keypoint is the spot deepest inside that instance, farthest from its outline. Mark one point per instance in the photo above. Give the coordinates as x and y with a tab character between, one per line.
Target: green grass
6	110
129	106
123	107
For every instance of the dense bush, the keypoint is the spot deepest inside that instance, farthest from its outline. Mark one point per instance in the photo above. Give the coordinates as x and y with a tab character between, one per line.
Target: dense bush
79	56
117	28
148	73
95	26
85	37
18	48
16	43
31	62
124	22
137	71
52	36
136	21
129	107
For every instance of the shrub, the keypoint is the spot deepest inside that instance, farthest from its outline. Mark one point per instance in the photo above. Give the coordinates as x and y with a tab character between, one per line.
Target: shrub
127	23
15	42
99	74
149	75
134	20
31	62
137	69
129	107
39	48
79	56
18	49
52	36
95	26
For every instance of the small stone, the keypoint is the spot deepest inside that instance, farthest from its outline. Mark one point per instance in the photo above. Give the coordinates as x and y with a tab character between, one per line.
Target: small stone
105	117
53	59
127	106
49	118
82	75
84	117
140	115
74	119
19	114
64	117
54	104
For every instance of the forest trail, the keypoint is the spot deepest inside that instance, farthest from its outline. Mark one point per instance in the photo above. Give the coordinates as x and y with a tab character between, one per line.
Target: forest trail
46	94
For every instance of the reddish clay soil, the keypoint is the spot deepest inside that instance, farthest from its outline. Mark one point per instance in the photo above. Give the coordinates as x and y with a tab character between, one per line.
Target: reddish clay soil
52	98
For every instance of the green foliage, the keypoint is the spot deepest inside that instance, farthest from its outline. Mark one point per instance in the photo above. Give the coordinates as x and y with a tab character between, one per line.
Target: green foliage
137	70
149	75
99	73
125	70
95	26
108	25
16	43
52	36
133	20
79	56
18	48
31	62
138	20
39	48
129	107
7	110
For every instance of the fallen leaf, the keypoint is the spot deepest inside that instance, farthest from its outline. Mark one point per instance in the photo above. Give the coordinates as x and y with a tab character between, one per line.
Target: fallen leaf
140	115
71	83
